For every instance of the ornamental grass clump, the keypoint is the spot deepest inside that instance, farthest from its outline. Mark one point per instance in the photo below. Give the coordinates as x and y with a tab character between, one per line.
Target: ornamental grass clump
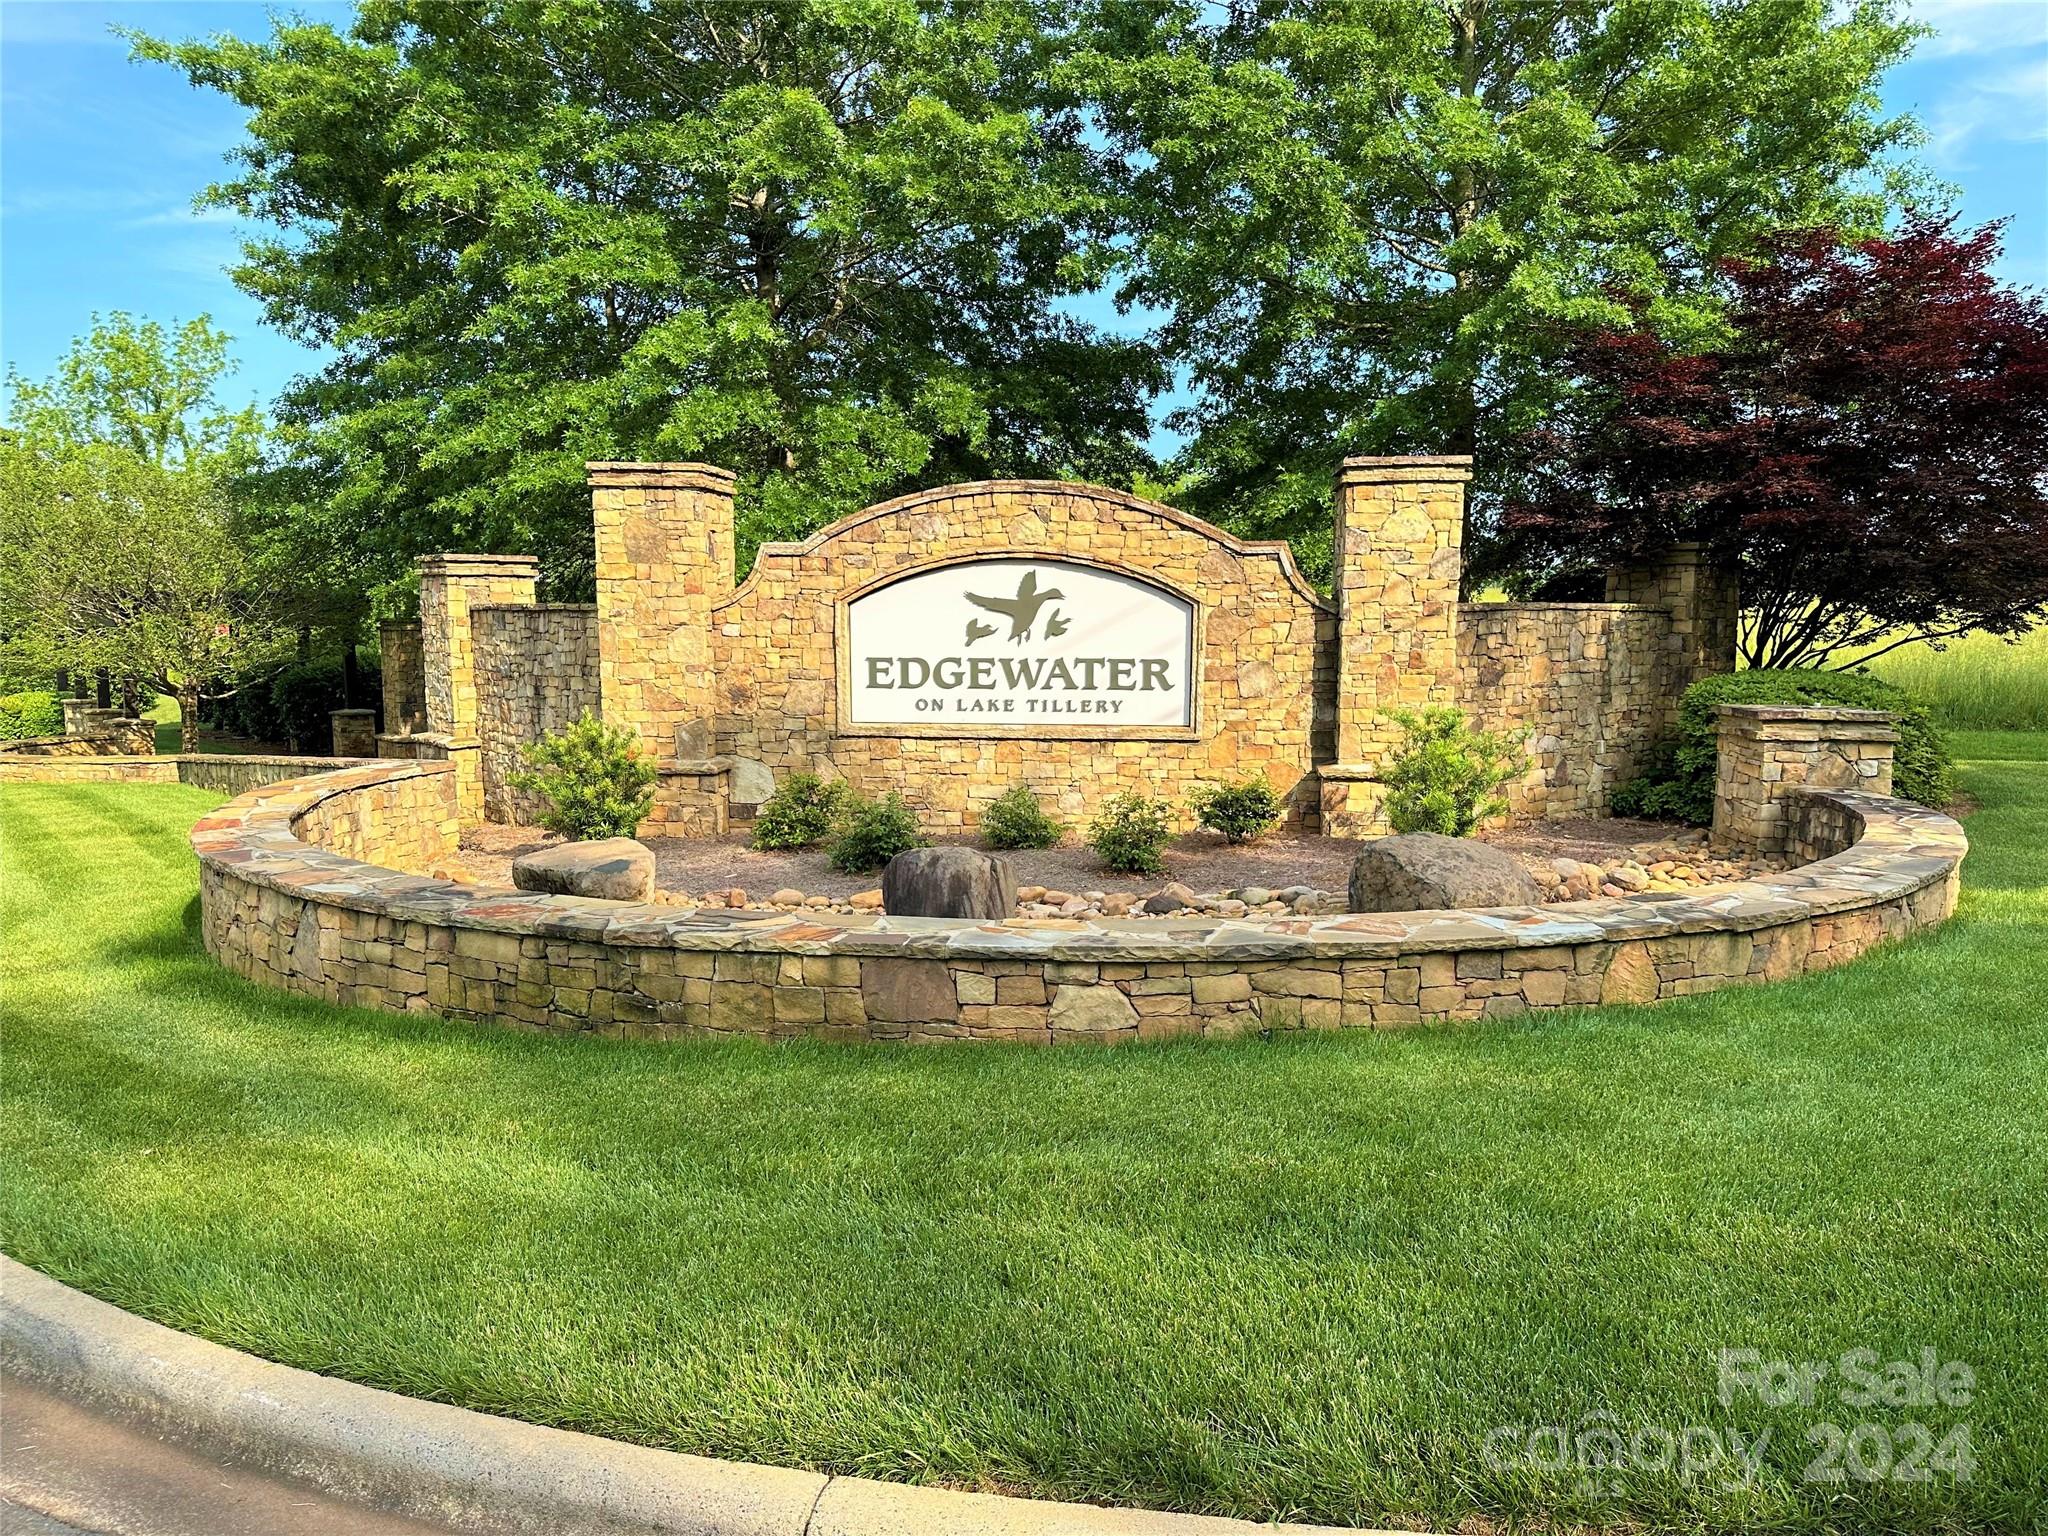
1240	809
1446	777
872	832
799	814
594	777
1017	820
1129	832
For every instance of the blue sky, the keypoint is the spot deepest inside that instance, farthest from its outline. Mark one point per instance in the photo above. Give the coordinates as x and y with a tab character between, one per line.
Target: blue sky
100	159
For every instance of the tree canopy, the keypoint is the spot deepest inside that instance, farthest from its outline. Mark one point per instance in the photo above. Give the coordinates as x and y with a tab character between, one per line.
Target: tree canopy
823	244
1868	443
1363	221
119	546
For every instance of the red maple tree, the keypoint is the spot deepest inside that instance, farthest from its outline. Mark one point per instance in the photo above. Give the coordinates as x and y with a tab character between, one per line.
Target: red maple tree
1869	444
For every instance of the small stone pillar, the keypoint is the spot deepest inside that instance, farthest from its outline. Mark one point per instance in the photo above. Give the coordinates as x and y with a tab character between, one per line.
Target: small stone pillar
355	732
1400	524
1704	601
664	558
76	714
1768	750
451	586
404	677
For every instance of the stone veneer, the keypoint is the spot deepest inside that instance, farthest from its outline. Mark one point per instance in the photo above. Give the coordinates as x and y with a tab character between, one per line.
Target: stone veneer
288	899
1767	753
536	671
1590	683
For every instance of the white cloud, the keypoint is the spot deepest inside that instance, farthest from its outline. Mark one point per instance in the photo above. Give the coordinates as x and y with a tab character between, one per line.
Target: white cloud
1981	26
2008	106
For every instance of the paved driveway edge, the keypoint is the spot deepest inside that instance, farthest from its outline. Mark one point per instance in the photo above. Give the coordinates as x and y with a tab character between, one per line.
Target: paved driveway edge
474	1471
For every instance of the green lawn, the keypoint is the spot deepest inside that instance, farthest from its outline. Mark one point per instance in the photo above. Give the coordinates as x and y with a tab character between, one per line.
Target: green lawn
1298	1279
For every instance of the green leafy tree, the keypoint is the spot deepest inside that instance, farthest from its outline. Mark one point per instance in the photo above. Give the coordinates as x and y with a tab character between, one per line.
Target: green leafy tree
821	243
119	546
1362	220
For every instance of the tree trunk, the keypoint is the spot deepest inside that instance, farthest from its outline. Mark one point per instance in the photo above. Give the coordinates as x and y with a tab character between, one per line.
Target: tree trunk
188	717
351	676
305	642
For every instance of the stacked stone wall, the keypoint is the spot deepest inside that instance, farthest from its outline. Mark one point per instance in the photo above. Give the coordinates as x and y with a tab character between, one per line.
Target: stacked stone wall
536	671
1264	674
1589	681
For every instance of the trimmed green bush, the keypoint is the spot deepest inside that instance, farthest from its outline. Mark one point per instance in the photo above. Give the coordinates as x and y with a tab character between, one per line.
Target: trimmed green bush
1017	820
30	714
799	814
1447	776
596	780
872	832
1679	781
1240	809
1129	832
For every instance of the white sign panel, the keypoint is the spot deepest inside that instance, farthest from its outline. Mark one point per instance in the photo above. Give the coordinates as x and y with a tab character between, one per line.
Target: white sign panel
1020	643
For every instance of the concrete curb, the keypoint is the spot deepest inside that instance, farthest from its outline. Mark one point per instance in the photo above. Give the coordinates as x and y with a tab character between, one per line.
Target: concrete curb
479	1473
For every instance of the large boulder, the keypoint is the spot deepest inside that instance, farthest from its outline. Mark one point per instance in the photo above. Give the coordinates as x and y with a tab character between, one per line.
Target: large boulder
948	882
1421	872
610	868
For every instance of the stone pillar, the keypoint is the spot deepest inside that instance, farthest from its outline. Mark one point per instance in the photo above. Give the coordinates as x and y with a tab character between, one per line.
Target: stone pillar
664	557
1705	604
450	586
355	732
1766	751
76	713
1400	522
405	677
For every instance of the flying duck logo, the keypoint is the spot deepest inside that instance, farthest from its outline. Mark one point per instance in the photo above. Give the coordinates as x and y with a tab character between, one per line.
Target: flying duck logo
1040	644
1021	611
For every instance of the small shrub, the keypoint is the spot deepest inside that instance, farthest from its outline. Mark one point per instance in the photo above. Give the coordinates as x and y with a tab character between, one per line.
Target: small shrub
596	780
872	832
799	814
1017	820
30	714
1446	777
1679	781
1240	810
1129	832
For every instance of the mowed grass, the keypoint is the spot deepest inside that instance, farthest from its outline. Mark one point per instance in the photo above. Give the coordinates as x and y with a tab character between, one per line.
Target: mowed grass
1302	1279
1979	682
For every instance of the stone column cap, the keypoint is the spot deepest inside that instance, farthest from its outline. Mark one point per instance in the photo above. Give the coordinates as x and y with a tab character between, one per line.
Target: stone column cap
1378	469
454	563
1842	723
629	473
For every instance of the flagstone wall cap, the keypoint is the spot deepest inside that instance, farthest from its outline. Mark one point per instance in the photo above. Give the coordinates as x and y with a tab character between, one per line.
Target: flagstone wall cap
473	1471
640	472
1900	848
454	561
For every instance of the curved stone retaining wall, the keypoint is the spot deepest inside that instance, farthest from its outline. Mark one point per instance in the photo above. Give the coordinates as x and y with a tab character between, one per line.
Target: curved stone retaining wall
314	885
224	773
